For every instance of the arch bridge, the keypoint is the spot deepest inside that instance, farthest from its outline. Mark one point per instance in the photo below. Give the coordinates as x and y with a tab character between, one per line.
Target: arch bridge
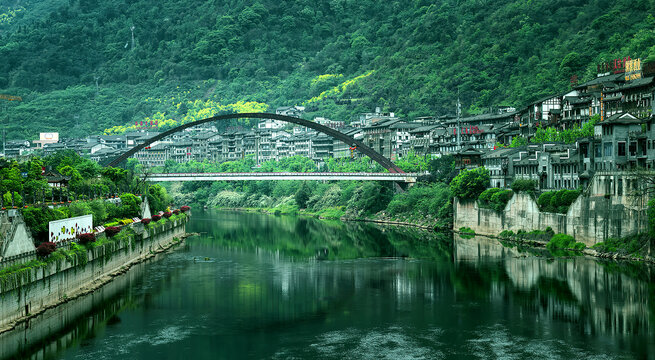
361	147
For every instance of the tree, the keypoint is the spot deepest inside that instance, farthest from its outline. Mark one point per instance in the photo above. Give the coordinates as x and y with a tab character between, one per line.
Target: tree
130	205
469	184
302	195
518	141
116	175
443	168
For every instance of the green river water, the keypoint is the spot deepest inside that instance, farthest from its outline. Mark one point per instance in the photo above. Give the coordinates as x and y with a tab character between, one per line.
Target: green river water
254	286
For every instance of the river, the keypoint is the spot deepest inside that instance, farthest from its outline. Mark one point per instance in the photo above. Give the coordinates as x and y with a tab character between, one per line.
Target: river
278	287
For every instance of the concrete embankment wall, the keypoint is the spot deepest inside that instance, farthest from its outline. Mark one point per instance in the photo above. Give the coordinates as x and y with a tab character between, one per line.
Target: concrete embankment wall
591	219
61	279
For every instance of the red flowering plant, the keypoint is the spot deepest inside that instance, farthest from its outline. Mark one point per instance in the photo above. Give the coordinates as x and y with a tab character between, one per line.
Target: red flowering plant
86	238
111	231
156	218
176	212
185	208
45	249
145	221
168	214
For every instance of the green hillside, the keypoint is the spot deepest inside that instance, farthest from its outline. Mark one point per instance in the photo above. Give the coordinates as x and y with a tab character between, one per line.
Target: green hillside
337	57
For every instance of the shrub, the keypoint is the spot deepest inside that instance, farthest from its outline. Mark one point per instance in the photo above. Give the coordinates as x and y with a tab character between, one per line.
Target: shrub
524	185
156	218
470	184
564	242
86	238
168	214
495	198
176	212
651	217
145	221
130	205
112	231
185	208
631	245
45	249
422	200
501	198
557	201
371	197
544	200
126	221
485	196
302	195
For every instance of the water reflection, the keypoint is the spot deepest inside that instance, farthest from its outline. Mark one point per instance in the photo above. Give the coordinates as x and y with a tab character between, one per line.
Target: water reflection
257	286
597	298
307	238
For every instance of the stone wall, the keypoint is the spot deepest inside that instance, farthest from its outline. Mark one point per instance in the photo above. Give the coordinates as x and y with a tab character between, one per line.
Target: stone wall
16	238
44	287
598	214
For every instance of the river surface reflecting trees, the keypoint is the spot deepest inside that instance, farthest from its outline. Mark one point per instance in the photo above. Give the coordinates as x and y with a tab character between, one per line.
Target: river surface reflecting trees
259	286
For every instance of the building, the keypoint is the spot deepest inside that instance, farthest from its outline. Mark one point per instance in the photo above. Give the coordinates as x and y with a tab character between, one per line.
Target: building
46	138
620	143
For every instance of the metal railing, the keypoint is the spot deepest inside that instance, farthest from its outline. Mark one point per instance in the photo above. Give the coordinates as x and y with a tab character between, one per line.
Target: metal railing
255	174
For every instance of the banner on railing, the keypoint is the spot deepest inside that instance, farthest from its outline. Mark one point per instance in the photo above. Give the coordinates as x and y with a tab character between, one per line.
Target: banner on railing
68	229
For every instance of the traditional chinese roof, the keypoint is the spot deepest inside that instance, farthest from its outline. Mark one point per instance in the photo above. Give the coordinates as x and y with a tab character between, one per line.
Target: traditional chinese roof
55	177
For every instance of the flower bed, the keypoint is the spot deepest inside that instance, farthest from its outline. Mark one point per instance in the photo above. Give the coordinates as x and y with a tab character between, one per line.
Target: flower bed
112	231
86	238
45	249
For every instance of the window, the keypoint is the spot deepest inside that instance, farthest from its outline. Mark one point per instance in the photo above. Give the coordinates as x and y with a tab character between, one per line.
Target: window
621	148
607	149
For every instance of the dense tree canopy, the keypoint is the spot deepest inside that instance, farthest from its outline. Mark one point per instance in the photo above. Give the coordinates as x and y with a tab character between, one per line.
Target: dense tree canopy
79	71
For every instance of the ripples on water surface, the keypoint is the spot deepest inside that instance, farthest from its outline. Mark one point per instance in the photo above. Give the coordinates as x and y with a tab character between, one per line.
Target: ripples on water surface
257	286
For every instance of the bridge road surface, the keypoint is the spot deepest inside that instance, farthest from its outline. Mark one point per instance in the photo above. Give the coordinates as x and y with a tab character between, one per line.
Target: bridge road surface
325	176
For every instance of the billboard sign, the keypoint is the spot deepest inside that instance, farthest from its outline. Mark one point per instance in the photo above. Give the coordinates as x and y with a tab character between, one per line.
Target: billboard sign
633	70
616	66
68	229
51	136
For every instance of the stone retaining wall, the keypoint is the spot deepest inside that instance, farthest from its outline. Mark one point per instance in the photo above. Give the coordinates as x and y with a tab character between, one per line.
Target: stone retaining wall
44	287
591	219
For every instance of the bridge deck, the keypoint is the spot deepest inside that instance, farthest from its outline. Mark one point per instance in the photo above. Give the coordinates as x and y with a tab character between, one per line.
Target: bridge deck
407	177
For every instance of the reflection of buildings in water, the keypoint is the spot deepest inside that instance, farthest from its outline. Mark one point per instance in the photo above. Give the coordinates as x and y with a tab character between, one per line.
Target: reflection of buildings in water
577	289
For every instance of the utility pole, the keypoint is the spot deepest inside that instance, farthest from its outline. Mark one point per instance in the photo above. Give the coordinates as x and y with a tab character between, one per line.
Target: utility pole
96	78
4	132
132	28
459	128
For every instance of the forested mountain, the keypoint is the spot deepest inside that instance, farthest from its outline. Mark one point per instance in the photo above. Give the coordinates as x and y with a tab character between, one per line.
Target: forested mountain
337	57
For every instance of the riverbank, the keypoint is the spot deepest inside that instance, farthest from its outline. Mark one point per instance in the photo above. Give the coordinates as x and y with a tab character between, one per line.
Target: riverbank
425	224
32	291
542	244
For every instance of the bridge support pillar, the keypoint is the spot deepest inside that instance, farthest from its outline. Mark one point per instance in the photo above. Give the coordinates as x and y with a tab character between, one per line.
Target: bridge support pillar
400	187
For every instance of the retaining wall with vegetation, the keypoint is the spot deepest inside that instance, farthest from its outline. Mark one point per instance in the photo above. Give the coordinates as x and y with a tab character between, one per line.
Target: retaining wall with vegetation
594	217
38	288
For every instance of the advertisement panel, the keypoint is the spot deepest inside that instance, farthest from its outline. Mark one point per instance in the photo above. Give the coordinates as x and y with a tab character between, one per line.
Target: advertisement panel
49	136
633	70
68	229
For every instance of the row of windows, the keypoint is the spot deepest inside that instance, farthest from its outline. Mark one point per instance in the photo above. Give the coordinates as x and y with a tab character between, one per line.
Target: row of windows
568	184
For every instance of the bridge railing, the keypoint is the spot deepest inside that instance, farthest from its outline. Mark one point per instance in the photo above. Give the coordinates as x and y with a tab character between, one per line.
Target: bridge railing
287	174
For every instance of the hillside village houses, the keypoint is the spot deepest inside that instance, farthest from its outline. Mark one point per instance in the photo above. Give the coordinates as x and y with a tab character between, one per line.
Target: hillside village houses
625	138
